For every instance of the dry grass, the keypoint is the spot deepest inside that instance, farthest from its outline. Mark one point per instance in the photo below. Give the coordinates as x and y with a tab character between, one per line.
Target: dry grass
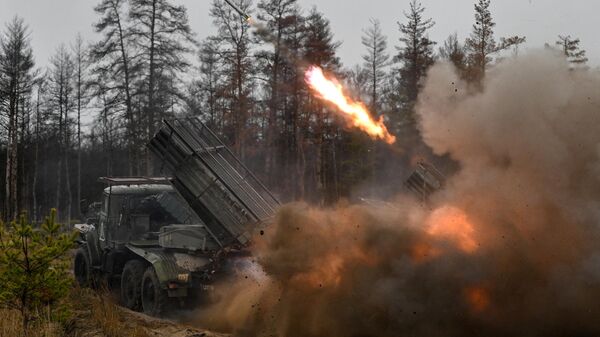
106	315
11	323
109	318
92	314
12	326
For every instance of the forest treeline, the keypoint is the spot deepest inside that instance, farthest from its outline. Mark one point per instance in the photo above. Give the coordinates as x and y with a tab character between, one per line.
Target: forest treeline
91	111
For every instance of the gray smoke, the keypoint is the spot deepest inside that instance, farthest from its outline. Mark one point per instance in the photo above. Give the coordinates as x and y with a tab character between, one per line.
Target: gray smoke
509	248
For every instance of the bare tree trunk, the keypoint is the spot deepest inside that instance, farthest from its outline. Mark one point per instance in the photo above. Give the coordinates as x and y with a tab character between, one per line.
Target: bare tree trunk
79	55
16	72
11	179
11	210
336	186
132	136
67	167
36	158
68	187
301	169
79	211
106	137
241	124
23	173
151	80
270	158
57	203
14	168
7	177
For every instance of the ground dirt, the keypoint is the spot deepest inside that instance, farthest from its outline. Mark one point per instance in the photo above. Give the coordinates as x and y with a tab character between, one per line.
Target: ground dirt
96	315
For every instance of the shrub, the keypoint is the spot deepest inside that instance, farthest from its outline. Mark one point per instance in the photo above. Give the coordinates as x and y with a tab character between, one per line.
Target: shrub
33	269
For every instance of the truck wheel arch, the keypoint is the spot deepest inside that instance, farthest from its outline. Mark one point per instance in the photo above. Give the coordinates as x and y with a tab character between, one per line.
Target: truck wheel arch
165	264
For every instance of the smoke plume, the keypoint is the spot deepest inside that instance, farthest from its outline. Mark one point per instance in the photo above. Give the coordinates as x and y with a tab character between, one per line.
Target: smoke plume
510	247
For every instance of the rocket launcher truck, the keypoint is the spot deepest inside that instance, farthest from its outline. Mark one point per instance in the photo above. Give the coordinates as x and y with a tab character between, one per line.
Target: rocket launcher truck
163	241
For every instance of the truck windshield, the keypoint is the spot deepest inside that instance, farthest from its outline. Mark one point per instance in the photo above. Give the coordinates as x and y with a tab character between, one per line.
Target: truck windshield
149	206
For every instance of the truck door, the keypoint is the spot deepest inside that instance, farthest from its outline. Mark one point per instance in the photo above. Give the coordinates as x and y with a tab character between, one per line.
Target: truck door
102	220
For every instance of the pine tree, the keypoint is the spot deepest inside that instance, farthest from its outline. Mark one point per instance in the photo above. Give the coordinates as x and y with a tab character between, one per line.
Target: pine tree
61	90
375	61
293	86
33	270
416	51
319	45
235	44
481	44
39	121
572	50
209	84
454	52
16	80
106	124
320	49
81	59
358	81
114	64
279	17
163	36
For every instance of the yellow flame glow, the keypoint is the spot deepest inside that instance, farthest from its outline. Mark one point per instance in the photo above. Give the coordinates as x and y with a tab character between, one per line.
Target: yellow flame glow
331	91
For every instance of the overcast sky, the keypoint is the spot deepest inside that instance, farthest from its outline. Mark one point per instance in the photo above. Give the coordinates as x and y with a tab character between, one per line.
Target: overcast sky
53	22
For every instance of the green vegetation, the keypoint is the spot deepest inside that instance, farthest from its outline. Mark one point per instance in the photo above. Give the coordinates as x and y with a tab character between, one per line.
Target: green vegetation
34	269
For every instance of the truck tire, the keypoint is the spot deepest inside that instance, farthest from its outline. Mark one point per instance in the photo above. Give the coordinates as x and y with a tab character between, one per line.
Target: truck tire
154	298
82	268
131	284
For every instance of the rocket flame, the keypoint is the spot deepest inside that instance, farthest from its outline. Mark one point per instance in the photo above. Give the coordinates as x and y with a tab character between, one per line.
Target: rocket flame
331	91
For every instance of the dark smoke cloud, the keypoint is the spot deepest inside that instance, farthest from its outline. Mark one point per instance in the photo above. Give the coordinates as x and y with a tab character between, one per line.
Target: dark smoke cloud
527	262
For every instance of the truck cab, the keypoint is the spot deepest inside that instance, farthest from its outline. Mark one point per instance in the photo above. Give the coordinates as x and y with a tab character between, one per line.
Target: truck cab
145	235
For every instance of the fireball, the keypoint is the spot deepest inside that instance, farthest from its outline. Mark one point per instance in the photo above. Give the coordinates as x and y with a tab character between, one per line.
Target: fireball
331	91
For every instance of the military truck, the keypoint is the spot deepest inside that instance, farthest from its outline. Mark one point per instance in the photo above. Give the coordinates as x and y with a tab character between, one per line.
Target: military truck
164	240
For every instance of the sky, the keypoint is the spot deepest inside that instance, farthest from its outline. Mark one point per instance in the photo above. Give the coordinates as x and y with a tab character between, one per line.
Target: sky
53	22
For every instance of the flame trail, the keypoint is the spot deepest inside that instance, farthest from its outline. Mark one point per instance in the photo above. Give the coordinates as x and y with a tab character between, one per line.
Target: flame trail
331	91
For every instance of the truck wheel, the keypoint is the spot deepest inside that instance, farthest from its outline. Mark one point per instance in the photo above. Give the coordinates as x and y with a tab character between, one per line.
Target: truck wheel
154	298
131	283
82	268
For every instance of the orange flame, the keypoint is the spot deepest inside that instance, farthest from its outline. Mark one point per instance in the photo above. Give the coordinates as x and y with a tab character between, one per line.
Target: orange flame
331	91
453	224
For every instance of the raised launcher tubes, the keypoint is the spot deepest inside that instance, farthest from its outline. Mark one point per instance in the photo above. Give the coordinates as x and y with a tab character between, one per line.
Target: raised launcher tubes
425	180
228	198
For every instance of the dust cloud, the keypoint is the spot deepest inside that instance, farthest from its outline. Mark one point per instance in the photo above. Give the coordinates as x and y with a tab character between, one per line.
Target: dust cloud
509	248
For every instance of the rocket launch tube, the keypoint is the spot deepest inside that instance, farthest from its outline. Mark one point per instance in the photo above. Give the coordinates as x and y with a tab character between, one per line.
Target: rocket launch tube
237	9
